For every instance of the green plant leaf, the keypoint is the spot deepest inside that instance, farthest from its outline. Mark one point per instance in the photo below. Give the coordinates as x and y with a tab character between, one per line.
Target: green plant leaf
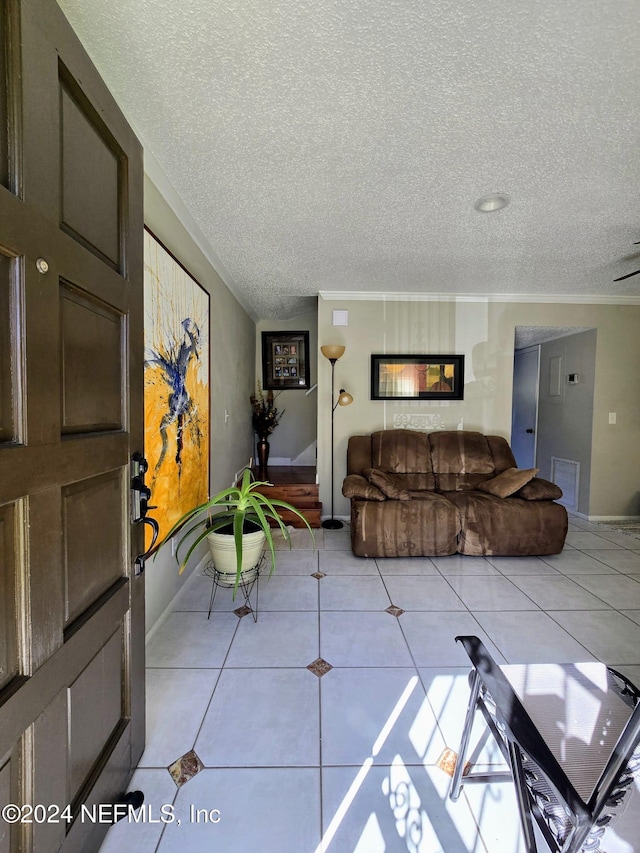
237	504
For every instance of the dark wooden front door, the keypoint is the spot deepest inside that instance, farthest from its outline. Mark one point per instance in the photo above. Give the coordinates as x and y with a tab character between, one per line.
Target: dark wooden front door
71	348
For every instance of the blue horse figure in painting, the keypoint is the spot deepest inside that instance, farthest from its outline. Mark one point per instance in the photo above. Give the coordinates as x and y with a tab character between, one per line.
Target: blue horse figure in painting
174	366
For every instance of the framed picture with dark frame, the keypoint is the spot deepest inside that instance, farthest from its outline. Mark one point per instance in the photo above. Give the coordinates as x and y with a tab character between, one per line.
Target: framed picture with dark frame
285	361
417	377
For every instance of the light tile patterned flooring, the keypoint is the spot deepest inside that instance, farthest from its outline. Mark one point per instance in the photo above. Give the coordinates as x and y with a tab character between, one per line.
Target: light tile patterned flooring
347	761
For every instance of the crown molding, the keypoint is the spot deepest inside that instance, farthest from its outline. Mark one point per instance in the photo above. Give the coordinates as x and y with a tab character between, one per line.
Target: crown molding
535	298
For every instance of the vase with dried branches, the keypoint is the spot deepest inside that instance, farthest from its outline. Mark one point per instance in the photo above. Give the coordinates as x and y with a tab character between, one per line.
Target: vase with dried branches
265	418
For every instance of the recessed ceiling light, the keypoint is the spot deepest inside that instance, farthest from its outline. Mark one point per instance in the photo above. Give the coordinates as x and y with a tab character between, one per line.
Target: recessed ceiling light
491	203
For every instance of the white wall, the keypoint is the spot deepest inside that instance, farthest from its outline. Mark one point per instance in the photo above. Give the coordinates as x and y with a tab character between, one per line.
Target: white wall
565	413
484	333
232	358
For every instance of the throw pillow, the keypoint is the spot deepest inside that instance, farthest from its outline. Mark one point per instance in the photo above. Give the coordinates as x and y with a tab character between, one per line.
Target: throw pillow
508	482
540	490
386	485
355	486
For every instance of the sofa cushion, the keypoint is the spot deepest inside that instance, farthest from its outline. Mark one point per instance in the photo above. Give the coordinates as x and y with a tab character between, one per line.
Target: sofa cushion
358	454
386	484
540	490
461	460
413	482
503	458
513	527
460	452
401	451
405	528
458	482
356	486
508	482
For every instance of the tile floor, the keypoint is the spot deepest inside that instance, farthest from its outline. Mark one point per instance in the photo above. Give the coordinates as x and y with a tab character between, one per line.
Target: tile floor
347	761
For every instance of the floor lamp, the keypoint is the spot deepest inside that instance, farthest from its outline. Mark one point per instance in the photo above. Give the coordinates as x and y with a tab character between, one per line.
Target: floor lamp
333	352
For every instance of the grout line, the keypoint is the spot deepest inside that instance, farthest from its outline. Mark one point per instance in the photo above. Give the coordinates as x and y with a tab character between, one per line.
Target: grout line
447	575
320	774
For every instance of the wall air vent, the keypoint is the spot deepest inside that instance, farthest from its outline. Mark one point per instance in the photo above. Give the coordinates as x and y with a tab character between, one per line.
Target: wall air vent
566	474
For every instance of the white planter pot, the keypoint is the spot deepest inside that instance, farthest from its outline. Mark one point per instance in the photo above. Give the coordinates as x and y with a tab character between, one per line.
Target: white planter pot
223	553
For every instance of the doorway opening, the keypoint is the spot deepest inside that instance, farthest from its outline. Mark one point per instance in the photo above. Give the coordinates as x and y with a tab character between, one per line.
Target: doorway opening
552	403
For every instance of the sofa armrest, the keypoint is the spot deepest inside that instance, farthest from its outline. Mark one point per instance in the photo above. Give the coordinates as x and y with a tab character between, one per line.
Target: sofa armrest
539	489
356	486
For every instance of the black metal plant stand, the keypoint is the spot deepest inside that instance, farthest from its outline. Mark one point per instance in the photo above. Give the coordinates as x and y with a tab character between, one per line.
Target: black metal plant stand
246	587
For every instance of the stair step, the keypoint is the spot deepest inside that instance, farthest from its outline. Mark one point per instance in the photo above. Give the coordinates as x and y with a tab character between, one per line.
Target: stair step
291	492
300	503
312	514
302	495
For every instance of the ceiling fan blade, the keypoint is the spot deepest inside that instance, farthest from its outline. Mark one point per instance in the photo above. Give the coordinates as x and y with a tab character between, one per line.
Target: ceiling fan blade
628	275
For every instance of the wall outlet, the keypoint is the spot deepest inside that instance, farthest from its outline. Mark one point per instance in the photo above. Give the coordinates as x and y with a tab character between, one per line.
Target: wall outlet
612	417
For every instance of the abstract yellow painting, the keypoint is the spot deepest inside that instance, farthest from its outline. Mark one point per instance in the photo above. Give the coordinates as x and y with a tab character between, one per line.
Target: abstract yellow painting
176	385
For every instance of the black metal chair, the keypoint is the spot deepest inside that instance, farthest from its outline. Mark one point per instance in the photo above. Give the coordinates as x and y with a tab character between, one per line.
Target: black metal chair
569	734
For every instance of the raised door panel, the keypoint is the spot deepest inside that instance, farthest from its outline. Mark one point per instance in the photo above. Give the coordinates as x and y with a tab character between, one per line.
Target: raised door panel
9	363
4	99
92	168
10	572
10	125
5	797
92	357
72	707
95	710
49	741
93	539
42	623
9	587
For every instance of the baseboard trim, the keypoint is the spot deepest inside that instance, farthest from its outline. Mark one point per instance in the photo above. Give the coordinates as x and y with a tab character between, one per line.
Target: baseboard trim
196	569
613	518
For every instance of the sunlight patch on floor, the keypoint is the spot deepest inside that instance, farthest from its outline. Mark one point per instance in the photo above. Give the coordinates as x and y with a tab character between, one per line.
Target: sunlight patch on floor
377	746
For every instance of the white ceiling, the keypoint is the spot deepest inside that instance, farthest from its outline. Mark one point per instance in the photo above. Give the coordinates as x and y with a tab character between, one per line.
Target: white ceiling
340	146
527	336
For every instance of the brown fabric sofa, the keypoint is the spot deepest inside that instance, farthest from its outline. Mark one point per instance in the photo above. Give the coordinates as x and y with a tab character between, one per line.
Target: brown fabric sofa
419	494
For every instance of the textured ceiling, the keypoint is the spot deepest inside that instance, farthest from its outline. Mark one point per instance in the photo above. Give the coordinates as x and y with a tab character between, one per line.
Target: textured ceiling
326	146
527	336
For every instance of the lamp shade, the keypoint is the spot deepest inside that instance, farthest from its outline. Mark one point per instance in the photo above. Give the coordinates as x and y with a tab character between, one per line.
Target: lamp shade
344	398
332	351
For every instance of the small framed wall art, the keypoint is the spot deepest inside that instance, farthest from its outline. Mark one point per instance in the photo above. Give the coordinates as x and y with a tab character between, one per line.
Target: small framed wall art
417	377
285	361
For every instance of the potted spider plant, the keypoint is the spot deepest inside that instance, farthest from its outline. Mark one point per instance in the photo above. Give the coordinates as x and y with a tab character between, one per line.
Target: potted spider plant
236	523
